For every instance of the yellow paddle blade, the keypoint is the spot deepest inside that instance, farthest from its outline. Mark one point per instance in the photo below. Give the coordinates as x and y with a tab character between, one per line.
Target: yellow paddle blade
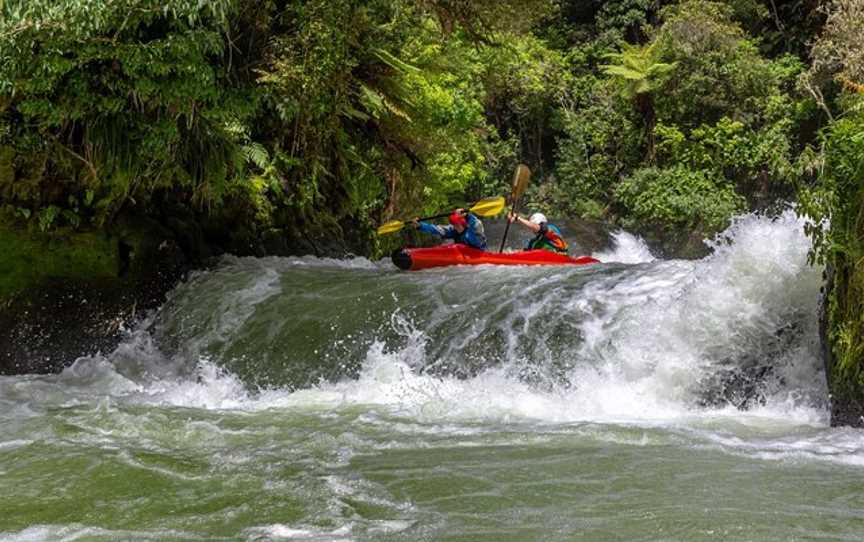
390	227
489	206
520	181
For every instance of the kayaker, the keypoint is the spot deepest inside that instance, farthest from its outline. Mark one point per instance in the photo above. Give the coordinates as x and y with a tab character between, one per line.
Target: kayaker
465	228
547	236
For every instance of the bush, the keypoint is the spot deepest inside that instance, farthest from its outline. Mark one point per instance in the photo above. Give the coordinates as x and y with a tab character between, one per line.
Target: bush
600	144
677	197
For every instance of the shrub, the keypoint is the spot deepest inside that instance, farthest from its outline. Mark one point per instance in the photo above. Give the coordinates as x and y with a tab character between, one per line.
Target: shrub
677	197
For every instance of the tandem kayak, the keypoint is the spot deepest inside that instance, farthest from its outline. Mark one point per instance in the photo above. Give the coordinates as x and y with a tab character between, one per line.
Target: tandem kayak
414	259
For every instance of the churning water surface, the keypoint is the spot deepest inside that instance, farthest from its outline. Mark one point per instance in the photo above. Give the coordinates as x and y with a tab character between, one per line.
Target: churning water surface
310	399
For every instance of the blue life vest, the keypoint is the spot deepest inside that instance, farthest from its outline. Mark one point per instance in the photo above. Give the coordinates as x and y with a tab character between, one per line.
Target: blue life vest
473	236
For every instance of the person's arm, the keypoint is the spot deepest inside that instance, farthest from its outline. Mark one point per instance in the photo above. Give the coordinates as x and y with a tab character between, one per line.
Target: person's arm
441	231
514	217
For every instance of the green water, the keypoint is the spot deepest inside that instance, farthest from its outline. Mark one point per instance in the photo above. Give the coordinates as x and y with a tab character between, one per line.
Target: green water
105	473
285	399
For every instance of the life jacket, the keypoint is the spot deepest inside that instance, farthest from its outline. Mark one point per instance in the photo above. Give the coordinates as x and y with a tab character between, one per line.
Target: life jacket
548	238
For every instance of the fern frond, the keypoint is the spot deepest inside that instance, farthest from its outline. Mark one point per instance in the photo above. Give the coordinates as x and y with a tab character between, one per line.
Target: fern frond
256	154
397	64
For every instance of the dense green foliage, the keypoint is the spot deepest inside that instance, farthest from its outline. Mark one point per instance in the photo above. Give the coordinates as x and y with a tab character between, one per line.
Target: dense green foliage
301	115
103	104
726	120
677	196
320	118
843	248
835	200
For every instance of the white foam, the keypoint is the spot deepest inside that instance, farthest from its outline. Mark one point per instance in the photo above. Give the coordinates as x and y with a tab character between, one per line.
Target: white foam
626	248
13	444
279	531
842	446
356	262
210	388
651	334
72	532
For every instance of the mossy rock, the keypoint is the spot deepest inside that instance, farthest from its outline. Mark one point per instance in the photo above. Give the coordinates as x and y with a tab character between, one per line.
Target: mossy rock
27	259
69	294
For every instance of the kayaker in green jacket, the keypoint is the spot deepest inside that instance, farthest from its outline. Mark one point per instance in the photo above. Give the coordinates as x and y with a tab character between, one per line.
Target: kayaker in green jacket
547	236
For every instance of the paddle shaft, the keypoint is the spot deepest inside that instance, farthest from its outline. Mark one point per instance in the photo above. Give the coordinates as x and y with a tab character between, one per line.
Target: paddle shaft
513	209
520	182
484	207
425	218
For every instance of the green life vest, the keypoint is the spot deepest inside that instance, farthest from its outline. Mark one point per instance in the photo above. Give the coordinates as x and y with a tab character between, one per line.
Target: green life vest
542	242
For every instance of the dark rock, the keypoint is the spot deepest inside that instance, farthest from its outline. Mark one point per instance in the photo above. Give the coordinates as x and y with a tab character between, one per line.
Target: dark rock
676	244
847	407
67	313
743	387
745	381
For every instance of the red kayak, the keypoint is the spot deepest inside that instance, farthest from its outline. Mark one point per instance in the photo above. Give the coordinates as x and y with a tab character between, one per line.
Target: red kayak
414	259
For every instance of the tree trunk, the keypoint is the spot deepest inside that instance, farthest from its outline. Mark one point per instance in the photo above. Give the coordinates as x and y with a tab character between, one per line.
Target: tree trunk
645	104
392	178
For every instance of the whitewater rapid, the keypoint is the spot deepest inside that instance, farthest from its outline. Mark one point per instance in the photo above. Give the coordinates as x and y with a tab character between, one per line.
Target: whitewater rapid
311	399
644	337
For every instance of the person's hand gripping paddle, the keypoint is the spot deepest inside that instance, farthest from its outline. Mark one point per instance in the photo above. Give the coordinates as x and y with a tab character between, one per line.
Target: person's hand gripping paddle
521	177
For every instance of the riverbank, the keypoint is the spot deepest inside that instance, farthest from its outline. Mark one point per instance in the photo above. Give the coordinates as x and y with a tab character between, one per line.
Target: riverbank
66	293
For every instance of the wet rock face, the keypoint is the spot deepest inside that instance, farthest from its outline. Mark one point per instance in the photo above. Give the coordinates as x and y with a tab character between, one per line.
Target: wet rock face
72	293
743	388
746	381
847	402
846	410
46	329
48	326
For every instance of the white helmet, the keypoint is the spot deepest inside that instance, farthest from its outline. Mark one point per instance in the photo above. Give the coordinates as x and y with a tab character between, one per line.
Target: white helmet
538	218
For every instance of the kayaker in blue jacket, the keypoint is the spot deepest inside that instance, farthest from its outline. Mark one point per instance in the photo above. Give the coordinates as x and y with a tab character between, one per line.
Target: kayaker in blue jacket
546	236
465	228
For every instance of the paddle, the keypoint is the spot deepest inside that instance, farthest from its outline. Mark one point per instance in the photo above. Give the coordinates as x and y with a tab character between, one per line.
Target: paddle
520	182
484	207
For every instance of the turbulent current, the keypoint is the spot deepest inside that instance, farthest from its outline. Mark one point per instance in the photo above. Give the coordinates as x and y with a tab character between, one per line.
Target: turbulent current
310	399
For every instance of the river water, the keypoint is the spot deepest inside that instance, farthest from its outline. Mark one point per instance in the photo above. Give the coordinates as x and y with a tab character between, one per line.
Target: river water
307	399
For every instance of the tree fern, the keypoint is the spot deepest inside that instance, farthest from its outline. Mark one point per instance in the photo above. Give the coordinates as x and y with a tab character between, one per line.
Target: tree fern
639	72
256	154
639	68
